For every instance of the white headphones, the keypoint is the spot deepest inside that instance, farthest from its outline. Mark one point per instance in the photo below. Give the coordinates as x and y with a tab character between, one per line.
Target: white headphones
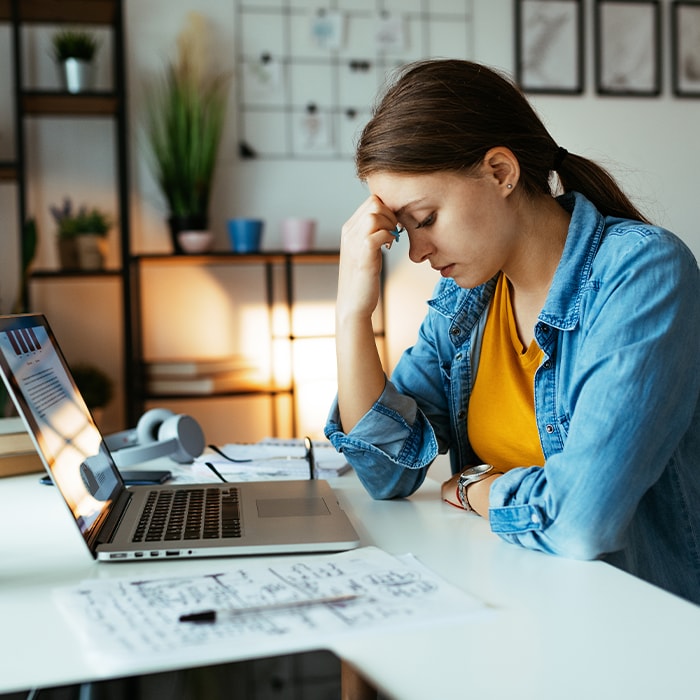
159	433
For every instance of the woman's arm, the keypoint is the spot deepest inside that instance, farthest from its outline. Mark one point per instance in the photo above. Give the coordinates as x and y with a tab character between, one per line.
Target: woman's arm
361	376
627	390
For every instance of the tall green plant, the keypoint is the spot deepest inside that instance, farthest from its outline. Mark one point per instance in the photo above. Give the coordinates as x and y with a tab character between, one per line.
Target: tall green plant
185	121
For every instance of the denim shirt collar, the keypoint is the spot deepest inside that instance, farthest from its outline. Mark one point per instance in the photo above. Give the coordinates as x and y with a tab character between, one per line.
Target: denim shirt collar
563	303
562	306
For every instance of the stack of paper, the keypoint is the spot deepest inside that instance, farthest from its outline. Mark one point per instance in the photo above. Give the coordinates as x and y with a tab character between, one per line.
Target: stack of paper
271	458
140	618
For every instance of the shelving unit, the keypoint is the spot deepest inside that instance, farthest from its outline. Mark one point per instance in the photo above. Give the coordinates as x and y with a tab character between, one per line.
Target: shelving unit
39	103
283	275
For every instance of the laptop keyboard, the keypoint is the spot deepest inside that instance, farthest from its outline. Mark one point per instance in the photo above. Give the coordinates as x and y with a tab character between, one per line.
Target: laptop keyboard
189	514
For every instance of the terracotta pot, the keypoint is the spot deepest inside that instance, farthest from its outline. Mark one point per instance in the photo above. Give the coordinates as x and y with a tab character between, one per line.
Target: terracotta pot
68	254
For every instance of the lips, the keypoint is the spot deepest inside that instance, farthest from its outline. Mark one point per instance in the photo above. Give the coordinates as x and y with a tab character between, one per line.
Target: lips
446	270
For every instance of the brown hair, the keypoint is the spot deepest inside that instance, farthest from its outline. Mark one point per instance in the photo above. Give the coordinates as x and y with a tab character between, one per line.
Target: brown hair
446	114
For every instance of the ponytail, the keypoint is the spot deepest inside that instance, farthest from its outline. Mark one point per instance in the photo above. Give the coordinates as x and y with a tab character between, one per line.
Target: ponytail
597	185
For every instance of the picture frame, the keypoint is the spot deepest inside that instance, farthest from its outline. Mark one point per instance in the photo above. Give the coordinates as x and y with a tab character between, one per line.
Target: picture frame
628	47
685	48
549	46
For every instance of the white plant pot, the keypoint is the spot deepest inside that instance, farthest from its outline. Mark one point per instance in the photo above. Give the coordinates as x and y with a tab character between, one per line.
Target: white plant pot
76	75
195	241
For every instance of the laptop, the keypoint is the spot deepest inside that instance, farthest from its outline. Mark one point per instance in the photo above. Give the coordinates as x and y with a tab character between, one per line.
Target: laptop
152	522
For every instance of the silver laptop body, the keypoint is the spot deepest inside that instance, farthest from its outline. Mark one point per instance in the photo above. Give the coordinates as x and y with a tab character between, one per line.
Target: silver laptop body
271	517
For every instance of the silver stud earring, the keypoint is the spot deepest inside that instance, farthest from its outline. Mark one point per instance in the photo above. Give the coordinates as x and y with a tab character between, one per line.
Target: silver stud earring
509	186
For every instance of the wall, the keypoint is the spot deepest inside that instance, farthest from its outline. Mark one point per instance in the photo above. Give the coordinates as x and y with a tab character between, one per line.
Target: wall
650	144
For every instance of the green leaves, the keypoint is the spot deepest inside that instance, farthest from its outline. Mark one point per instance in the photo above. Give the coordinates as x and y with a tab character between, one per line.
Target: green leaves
70	43
185	121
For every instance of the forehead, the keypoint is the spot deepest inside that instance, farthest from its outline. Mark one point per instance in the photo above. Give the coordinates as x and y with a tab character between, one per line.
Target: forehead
406	191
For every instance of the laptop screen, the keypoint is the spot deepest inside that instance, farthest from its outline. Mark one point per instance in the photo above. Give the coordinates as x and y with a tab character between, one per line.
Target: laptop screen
45	394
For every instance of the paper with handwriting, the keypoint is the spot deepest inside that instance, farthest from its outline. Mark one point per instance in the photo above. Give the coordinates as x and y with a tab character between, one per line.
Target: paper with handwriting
271	458
137	617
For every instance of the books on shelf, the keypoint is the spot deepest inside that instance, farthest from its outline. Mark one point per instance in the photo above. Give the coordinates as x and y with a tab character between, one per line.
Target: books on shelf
200	375
14	436
17	453
197	367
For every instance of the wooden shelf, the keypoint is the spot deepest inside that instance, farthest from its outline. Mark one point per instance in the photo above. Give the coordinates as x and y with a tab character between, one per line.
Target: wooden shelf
62	11
65	104
59	274
275	257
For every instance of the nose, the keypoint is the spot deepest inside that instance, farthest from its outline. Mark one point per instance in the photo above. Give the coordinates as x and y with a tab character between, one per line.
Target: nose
419	248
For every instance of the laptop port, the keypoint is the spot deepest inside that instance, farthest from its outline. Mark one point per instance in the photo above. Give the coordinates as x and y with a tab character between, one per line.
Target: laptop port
172	552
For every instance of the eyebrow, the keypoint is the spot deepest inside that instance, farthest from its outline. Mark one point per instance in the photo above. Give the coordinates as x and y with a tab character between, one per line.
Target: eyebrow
399	212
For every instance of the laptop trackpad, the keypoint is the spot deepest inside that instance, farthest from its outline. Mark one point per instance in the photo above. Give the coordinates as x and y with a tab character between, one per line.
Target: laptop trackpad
290	507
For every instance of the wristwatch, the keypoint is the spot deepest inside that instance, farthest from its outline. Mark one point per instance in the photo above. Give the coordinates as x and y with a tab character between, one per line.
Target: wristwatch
468	477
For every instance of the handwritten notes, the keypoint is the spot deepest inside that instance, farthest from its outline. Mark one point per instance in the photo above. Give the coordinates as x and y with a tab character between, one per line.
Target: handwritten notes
270	459
140	617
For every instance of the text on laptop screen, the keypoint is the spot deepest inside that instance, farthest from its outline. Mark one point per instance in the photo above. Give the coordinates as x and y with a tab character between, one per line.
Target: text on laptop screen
80	465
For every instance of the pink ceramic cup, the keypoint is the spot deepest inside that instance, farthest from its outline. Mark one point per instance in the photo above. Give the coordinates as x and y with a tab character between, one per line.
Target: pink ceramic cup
298	235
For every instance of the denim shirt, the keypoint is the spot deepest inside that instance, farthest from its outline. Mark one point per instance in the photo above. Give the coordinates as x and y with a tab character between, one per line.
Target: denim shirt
616	403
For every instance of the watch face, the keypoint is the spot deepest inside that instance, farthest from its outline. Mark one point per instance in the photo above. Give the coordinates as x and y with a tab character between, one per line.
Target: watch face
476	471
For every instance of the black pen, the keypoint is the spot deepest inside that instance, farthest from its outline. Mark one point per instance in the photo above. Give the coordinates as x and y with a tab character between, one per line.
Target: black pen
210	616
216	471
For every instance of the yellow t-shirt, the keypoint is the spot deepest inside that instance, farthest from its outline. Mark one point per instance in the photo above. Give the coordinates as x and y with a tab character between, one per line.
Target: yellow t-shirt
501	422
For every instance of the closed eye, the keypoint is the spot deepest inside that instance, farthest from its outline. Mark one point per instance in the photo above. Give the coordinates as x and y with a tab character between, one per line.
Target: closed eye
428	221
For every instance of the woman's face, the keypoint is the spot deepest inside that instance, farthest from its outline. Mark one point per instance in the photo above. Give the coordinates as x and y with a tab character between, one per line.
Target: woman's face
462	225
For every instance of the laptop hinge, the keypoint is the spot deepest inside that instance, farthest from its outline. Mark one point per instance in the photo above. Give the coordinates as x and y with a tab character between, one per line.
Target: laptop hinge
115	517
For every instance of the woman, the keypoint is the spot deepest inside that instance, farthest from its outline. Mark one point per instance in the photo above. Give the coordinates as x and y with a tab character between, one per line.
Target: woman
558	361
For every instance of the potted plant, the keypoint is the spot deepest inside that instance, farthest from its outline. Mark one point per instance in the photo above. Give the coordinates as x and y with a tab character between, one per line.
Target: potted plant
81	236
73	51
185	118
95	386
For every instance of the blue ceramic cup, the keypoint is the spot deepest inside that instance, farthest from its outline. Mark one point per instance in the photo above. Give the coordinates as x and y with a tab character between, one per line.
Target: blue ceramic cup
245	235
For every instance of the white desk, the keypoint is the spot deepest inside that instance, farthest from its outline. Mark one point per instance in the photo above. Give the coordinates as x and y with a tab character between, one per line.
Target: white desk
561	629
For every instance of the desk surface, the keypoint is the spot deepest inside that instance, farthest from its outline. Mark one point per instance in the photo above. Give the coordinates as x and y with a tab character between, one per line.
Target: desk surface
560	628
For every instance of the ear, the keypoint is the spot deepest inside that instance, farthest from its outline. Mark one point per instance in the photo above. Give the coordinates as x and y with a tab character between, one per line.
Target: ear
503	167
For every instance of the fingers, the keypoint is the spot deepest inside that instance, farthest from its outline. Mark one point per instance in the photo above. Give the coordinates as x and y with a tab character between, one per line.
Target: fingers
374	222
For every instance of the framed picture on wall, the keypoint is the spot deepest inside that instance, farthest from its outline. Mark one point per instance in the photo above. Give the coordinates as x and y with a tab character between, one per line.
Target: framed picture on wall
628	47
685	48
549	46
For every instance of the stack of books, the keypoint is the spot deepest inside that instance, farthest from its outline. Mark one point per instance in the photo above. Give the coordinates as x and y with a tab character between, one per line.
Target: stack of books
17	453
200	375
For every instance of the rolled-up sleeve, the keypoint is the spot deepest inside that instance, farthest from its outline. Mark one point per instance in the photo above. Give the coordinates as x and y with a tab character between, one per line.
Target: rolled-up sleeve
391	446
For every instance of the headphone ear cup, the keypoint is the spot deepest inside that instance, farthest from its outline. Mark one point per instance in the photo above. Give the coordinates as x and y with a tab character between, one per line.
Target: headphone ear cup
148	427
188	435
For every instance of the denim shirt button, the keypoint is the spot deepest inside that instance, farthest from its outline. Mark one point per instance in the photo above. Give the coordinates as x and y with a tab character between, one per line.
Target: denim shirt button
534	518
549	428
455	330
547	364
458	357
544	328
461	415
